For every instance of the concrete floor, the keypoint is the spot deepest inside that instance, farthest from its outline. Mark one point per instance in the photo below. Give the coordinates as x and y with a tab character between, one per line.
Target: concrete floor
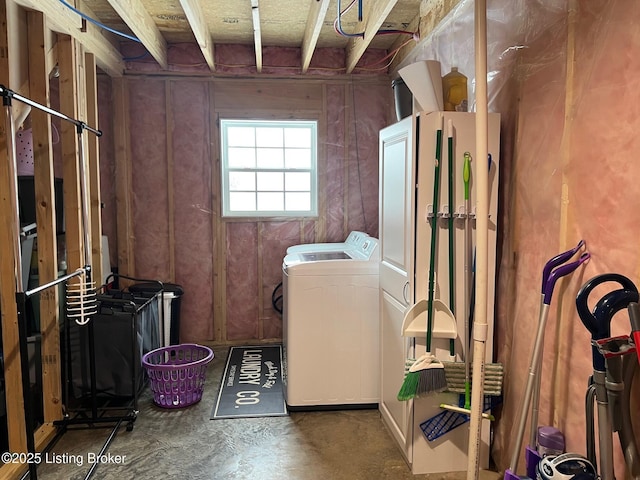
186	444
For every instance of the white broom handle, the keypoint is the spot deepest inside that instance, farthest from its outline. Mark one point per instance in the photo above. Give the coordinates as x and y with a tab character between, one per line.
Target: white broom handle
482	237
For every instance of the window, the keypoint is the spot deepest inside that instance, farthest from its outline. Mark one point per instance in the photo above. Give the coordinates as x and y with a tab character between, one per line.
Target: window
269	168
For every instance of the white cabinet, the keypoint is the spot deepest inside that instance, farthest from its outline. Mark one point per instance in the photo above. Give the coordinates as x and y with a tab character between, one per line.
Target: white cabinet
397	199
407	156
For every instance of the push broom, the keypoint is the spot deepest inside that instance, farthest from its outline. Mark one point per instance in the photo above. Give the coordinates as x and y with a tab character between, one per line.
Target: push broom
426	374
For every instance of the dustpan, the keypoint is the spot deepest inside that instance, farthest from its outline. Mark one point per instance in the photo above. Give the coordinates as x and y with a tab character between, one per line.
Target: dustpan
414	323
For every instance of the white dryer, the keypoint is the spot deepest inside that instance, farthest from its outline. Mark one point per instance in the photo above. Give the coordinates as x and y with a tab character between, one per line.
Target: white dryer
353	240
331	327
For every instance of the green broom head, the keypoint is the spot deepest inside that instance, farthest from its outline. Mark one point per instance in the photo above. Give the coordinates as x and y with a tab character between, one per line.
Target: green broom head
425	376
409	387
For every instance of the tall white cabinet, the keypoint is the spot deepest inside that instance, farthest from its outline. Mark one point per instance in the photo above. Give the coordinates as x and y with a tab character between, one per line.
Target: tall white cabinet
397	228
407	155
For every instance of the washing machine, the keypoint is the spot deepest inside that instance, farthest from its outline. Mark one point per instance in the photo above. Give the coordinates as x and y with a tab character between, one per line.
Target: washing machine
331	327
353	240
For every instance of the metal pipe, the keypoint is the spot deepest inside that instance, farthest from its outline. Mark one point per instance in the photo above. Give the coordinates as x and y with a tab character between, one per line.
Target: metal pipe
532	380
104	448
53	283
7	93
338	22
591	429
605	437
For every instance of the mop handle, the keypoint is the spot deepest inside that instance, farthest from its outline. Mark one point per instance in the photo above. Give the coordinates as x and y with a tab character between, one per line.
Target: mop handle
434	234
452	286
557	273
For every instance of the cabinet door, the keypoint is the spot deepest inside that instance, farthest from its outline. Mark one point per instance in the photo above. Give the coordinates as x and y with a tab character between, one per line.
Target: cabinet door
397	203
397	199
395	414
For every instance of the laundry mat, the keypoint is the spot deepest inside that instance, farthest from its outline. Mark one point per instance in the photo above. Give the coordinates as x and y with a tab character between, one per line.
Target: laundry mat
251	384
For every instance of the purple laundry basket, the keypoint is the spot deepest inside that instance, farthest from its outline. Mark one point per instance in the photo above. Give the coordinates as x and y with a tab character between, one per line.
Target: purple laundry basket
177	373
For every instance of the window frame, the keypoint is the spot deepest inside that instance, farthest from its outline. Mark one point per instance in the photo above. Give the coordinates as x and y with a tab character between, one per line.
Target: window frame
226	212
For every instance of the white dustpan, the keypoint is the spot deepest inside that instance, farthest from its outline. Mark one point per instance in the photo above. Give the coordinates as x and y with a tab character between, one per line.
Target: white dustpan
414	323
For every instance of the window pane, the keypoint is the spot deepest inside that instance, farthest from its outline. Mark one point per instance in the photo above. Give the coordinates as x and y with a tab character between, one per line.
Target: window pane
242	158
297	201
270	201
242	181
269	137
297	158
270	182
268	167
241	136
297	181
297	137
270	157
242	201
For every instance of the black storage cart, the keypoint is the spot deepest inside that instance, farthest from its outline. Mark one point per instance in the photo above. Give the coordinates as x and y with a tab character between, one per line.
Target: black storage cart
103	375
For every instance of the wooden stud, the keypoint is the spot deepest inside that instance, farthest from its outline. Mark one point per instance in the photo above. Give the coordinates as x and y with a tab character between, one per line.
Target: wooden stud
196	18
375	15
348	120
260	277
124	210
315	20
257	33
69	139
218	228
137	18
92	37
93	157
170	188
45	217
321	222
9	260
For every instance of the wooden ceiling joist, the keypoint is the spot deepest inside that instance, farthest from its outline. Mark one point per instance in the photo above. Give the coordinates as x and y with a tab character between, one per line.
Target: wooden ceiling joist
134	14
257	34
375	15
317	14
194	15
63	20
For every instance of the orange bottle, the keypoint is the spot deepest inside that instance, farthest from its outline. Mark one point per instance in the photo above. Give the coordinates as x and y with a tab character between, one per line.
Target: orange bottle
454	89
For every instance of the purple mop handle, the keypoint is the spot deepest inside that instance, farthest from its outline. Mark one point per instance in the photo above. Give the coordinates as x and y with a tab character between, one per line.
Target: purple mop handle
559	272
558	260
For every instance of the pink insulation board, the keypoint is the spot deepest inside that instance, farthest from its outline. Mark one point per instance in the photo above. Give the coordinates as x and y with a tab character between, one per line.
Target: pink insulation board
149	178
192	206
175	197
242	281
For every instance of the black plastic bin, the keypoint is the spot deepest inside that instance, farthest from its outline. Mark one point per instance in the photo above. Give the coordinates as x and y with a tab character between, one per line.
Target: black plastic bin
169	288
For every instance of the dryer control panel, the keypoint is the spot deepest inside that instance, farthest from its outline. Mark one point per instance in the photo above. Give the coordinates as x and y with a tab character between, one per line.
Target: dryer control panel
369	248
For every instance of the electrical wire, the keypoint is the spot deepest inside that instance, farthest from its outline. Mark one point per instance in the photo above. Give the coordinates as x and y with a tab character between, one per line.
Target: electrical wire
393	54
337	24
101	25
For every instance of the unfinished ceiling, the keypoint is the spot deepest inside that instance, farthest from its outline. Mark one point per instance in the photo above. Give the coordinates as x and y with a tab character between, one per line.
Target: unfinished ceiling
305	24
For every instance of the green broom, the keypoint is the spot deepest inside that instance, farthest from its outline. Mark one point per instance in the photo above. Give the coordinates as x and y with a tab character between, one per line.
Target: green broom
426	375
